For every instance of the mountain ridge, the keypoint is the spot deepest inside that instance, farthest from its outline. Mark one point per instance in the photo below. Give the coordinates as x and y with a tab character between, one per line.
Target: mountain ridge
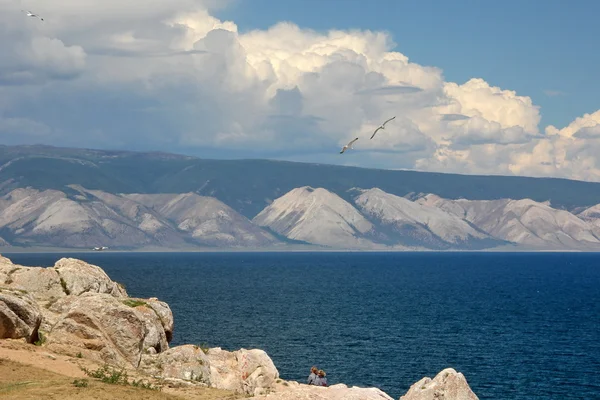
248	186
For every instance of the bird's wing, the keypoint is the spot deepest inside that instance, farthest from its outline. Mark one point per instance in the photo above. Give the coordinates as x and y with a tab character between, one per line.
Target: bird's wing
388	120
352	141
375	132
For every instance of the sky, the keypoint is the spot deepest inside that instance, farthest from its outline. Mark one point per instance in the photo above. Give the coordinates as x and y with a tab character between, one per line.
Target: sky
476	87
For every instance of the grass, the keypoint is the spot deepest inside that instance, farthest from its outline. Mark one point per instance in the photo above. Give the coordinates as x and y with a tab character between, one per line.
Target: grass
7	387
204	347
64	286
134	303
41	339
24	381
113	376
80	383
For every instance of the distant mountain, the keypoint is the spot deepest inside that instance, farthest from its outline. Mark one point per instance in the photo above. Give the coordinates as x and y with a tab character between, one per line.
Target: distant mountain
524	222
248	186
411	223
84	198
206	219
82	218
317	216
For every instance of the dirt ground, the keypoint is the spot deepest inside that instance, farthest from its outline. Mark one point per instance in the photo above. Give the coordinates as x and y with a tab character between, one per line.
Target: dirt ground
30	372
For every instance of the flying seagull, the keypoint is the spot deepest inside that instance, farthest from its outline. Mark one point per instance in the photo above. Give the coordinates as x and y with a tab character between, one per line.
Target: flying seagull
382	126
348	146
30	14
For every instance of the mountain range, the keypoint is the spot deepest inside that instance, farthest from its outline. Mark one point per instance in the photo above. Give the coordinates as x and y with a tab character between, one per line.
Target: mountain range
79	198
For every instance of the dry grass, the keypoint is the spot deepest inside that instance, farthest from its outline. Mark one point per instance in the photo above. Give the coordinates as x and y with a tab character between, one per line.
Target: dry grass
30	372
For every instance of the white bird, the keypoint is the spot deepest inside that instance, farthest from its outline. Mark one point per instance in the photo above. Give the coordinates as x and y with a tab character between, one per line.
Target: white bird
348	146
382	126
30	14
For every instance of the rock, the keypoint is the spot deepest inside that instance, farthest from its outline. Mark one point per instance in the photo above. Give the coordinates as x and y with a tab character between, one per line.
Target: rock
4	260
294	390
113	330
68	276
42	283
165	315
186	363
80	277
155	340
243	371
20	315
447	385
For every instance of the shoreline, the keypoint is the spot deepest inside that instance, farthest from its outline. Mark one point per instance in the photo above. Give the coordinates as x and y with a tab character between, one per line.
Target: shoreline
501	249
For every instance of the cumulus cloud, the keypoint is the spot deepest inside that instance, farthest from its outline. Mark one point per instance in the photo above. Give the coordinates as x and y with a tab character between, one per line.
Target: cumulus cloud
171	76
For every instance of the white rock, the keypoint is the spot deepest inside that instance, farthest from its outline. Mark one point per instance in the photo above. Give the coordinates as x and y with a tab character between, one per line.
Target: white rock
447	385
243	371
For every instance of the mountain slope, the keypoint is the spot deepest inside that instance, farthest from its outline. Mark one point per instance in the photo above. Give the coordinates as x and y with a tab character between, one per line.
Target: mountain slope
82	218
317	216
522	221
418	224
248	186
206	219
31	217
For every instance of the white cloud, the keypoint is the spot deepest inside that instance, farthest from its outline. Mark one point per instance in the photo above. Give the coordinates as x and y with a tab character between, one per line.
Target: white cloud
170	76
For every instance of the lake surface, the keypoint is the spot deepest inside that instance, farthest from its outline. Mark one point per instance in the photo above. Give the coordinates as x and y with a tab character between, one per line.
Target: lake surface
518	326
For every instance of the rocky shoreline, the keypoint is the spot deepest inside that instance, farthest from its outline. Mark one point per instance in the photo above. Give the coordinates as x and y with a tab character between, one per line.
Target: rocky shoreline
75	309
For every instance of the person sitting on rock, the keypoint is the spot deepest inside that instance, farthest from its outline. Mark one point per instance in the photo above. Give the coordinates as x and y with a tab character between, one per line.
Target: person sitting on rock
313	375
321	380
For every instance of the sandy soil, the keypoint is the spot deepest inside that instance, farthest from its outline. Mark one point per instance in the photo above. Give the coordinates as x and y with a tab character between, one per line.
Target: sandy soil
31	372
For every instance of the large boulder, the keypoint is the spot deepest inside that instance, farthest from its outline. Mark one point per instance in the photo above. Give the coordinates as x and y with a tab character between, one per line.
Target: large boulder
186	363
243	371
20	315
447	385
80	277
250	372
106	328
69	276
42	283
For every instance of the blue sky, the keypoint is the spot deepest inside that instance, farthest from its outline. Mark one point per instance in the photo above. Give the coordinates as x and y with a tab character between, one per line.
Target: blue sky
527	46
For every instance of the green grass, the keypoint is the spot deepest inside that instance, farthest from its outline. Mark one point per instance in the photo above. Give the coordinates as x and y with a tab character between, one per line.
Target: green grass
64	286
113	376
41	339
80	383
134	303
7	387
204	347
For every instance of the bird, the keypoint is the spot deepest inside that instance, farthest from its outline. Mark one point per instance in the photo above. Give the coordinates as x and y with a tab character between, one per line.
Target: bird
30	14
348	146
382	126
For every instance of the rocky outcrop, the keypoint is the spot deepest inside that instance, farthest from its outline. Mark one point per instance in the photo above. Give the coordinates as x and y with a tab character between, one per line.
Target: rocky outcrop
447	385
106	328
79	309
294	390
68	276
20	315
80	277
185	363
243	371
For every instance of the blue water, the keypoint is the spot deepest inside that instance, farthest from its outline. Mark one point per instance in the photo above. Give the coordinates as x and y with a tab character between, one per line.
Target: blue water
518	326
